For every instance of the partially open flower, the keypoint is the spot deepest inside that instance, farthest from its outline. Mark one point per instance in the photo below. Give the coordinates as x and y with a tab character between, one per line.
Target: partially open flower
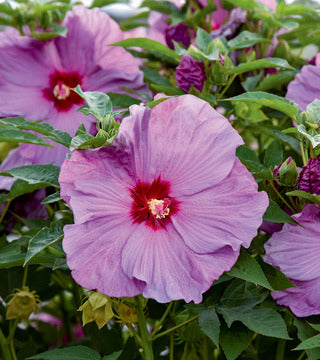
190	72
22	304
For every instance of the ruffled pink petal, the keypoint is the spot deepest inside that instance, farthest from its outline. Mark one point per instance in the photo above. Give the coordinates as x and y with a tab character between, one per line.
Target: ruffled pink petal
104	164
168	269
296	249
191	155
94	255
303	300
305	87
228	213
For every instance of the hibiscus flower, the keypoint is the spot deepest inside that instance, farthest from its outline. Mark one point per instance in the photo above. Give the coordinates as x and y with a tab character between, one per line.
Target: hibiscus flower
36	78
164	210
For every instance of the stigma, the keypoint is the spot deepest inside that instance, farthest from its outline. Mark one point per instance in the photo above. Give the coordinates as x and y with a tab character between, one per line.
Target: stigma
159	208
61	91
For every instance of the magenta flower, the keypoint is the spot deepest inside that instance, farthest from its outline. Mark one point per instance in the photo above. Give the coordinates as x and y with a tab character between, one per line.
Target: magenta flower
179	33
304	89
309	177
36	77
190	72
295	250
164	210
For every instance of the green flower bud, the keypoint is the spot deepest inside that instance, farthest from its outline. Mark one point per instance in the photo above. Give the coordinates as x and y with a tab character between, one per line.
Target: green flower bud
288	173
22	304
97	308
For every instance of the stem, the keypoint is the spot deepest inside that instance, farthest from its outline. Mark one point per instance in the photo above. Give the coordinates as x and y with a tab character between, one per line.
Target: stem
4	347
134	334
302	355
281	349
227	86
24	280
146	339
171	346
176	327
281	197
5	211
303	154
158	326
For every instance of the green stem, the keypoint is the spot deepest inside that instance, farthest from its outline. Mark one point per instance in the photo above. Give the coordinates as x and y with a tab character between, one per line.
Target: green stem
146	339
134	334
227	86
281	197
281	349
176	327
159	324
25	274
5	349
302	355
185	351
171	346
5	211
304	160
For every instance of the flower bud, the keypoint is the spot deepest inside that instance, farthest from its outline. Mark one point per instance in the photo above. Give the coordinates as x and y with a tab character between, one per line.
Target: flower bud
190	72
178	33
126	314
309	177
22	304
288	173
97	308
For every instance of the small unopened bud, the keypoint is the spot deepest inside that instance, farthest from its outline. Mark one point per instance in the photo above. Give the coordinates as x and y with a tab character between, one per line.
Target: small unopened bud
22	304
97	308
126	314
288	173
309	177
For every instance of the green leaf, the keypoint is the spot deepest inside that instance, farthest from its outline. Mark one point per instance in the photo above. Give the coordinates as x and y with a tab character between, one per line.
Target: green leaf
310	343
246	39
98	104
19	188
247	268
235	340
208	321
315	140
164	7
314	110
153	76
274	213
305	195
52	198
113	356
269	100
44	238
35	174
168	90
262	64
58	136
101	3
261	320
12	134
203	40
275	80
274	154
86	141
57	30
275	277
305	331
120	101
79	352
244	4
151	46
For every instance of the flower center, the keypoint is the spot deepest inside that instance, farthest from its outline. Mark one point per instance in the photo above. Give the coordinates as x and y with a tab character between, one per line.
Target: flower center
159	208
61	91
152	204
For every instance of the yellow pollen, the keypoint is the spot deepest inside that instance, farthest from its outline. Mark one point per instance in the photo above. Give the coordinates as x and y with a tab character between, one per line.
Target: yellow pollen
61	91
159	208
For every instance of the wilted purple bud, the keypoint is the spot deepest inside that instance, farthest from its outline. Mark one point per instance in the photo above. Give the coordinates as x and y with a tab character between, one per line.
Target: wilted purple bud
179	33
309	177
190	72
237	17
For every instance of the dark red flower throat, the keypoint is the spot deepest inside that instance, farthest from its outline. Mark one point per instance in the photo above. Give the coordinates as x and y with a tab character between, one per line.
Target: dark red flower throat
152	204
60	90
